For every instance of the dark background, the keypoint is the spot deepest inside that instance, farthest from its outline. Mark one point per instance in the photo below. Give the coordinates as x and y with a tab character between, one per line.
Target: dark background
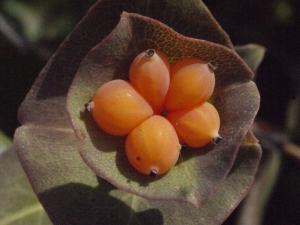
275	25
271	23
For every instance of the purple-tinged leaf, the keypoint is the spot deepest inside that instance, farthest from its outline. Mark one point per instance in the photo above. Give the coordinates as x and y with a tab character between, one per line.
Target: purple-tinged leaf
72	194
47	96
235	97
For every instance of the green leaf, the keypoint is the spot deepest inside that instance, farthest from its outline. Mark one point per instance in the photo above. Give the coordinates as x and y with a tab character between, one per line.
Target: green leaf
72	194
48	95
47	146
5	142
19	204
105	154
252	54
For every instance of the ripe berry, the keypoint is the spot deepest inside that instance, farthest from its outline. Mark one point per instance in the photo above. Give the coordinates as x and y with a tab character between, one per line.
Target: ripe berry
150	74
196	126
179	64
179	92
192	83
153	147
118	108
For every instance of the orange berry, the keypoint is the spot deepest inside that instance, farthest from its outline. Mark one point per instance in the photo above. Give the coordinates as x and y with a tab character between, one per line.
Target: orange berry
153	147
196	126
150	74
118	108
179	64
191	84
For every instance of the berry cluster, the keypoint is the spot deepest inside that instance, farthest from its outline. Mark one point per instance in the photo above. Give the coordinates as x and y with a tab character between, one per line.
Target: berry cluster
162	107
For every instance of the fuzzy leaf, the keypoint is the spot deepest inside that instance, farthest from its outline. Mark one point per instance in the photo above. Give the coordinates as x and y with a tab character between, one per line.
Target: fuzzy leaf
70	192
48	95
18	204
236	99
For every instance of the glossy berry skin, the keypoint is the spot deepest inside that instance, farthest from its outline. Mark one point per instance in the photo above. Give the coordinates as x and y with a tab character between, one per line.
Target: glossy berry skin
153	147
196	126
191	84
118	108
150	74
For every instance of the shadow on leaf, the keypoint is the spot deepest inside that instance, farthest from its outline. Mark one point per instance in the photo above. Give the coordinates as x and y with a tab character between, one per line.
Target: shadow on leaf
105	142
76	203
101	140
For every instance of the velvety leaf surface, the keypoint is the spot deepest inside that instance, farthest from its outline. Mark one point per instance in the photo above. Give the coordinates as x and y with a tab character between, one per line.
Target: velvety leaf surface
48	95
18	203
47	147
72	194
236	99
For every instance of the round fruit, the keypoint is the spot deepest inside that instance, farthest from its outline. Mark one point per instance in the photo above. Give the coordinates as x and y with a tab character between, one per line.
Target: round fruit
191	84
153	147
150	74
118	108
197	126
